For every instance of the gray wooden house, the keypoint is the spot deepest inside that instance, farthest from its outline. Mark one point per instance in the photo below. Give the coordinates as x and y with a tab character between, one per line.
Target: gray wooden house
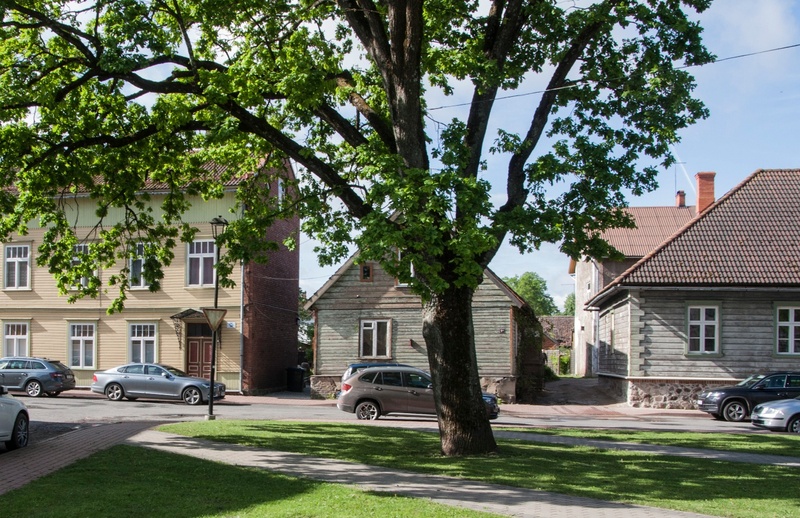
362	314
714	303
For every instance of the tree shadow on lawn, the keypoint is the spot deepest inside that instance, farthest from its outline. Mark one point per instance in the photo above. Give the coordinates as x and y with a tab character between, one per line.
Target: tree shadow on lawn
611	475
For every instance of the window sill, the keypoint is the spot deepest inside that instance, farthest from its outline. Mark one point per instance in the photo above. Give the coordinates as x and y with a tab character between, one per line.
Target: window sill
702	356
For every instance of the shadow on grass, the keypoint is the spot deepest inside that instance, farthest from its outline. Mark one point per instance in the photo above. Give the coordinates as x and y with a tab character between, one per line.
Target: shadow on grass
698	485
134	481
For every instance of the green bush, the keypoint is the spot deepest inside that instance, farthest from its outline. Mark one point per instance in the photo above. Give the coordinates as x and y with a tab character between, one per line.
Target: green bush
564	361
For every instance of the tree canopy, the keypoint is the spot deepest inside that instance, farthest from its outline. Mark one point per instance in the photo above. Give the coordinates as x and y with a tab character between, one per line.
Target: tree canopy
533	288
101	97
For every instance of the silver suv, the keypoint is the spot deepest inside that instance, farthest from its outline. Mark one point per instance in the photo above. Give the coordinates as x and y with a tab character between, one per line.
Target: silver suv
36	376
377	391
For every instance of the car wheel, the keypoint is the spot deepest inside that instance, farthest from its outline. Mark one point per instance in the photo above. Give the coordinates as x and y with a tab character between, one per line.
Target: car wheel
794	425
19	435
34	388
192	396
734	411
368	410
53	394
114	392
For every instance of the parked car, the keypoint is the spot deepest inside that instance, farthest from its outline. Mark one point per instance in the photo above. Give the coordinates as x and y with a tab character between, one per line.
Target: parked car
376	391
14	421
153	381
36	376
735	403
782	415
355	367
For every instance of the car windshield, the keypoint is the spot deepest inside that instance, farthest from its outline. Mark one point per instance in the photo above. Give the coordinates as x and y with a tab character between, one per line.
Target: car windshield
174	371
751	380
58	365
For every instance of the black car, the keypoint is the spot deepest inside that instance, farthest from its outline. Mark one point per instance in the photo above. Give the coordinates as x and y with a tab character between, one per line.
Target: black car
736	402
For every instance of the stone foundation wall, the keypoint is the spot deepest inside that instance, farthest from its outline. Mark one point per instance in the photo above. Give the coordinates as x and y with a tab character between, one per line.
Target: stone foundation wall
326	387
669	394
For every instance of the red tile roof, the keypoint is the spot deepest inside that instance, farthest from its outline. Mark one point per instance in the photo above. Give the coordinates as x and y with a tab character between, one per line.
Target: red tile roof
653	226
749	237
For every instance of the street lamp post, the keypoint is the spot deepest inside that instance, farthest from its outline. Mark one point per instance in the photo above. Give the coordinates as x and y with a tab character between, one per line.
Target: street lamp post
214	315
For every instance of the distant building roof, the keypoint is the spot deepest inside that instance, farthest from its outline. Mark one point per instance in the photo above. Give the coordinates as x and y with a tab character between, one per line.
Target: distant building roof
653	226
559	328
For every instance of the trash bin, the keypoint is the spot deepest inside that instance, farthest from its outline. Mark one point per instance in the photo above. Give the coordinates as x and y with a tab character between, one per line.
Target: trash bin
294	379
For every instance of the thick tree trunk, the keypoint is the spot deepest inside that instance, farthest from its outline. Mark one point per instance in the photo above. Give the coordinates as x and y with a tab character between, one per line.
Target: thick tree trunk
447	327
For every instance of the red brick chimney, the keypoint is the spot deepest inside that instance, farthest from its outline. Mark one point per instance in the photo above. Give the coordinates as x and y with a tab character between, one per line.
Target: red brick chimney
705	190
680	199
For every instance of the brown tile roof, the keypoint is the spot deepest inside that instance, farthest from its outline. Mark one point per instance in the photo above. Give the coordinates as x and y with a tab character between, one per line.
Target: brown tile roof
559	328
749	237
653	226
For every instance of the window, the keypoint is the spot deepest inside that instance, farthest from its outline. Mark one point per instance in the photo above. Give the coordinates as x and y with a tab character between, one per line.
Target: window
415	380
703	329
79	254
142	341
281	190
201	263
15	339
137	279
17	266
366	272
81	345
375	338
788	331
403	283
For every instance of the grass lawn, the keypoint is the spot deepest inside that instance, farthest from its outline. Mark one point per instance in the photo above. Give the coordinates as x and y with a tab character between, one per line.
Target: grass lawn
139	482
686	484
768	443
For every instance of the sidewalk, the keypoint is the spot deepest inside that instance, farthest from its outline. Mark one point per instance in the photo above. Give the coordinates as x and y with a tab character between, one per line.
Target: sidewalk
22	466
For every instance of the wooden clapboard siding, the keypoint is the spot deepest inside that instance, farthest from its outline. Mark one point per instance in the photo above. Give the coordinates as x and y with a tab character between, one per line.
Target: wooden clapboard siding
747	334
346	300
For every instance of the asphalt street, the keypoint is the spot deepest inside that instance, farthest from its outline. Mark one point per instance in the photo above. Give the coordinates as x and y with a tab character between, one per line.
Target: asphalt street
52	416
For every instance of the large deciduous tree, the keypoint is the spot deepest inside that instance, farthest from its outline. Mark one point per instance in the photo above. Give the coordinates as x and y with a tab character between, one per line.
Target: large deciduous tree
102	96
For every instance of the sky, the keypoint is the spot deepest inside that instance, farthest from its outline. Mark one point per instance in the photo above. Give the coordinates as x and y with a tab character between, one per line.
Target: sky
752	93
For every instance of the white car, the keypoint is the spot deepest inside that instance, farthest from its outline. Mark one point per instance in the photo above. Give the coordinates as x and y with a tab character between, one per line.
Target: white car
14	421
781	416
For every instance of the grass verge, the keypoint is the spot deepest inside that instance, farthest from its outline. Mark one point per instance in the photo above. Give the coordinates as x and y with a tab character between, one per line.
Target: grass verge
697	485
768	443
134	481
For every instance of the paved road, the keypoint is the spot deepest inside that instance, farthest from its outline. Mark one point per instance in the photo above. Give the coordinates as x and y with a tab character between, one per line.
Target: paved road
80	408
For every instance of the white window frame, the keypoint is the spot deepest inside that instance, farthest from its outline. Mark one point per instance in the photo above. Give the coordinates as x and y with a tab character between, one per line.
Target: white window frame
791	325
76	260
143	342
16	338
17	261
199	252
281	190
371	329
702	325
137	259
83	340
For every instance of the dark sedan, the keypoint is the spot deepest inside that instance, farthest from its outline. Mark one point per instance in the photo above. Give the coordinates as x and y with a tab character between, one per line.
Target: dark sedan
736	402
153	381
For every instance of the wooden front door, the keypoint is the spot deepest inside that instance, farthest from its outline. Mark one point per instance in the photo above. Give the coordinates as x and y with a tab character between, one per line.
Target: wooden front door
199	357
